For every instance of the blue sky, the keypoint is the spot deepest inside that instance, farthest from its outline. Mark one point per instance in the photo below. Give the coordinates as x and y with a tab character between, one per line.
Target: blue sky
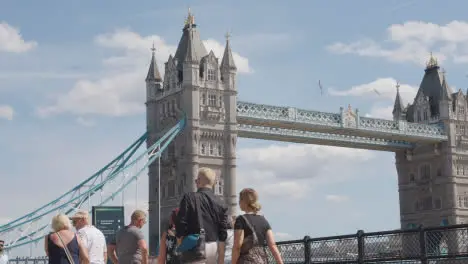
72	93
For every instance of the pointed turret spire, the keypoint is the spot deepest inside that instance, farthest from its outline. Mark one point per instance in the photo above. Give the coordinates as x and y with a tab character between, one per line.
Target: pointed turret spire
190	48
434	86
228	60
446	90
432	63
398	107
190	21
153	71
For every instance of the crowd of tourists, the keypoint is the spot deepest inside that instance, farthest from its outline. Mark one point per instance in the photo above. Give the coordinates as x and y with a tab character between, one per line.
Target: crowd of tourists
198	231
201	231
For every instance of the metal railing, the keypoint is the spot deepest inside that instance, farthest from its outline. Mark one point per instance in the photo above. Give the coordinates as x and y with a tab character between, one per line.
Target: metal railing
444	245
448	245
29	260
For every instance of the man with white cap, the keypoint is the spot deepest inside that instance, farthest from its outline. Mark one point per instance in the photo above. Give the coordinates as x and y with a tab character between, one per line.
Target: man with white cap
93	239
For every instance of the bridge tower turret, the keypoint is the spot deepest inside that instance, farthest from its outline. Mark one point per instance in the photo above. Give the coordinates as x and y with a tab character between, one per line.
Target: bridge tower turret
197	85
399	111
430	176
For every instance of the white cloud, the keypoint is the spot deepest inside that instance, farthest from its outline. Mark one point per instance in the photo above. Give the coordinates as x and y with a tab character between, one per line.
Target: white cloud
412	41
121	91
12	41
279	236
336	198
383	88
384	112
382	91
292	171
6	112
113	95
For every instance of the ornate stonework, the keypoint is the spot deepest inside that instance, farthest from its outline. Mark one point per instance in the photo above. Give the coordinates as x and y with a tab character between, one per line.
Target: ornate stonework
197	85
350	117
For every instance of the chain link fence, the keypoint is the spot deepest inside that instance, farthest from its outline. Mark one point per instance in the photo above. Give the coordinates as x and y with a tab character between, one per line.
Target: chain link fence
29	260
438	245
444	245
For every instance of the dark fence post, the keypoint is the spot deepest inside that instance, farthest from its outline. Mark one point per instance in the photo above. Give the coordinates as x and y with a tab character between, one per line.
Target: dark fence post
307	250
360	242
422	245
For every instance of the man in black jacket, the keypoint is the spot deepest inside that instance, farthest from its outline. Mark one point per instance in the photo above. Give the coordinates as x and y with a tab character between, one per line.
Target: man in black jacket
213	215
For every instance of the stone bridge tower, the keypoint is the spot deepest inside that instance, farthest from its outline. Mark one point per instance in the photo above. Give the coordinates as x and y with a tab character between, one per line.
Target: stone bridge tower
433	183
198	85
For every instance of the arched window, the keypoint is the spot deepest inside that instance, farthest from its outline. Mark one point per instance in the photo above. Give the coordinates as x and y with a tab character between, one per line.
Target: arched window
203	149
203	98
202	71
180	76
212	149
425	172
212	100
211	73
220	150
220	186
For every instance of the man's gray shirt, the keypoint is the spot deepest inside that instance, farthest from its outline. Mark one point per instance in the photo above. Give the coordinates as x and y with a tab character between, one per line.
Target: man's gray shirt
126	242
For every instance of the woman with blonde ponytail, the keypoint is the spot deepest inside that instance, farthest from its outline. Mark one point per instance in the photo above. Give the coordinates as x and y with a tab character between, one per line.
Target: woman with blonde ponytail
252	233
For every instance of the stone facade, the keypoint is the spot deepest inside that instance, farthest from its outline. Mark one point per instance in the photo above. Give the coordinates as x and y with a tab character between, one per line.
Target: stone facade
198	85
433	183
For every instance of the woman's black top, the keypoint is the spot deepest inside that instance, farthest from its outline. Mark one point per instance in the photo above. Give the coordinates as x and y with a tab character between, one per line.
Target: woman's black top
258	222
57	254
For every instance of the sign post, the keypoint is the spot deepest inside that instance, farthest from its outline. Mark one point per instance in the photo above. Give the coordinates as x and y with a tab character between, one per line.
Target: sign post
108	219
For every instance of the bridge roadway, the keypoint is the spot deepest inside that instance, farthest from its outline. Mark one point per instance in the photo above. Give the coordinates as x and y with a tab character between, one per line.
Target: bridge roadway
345	129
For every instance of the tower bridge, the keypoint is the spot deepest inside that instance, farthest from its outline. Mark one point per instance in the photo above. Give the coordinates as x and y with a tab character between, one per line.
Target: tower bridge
428	137
343	129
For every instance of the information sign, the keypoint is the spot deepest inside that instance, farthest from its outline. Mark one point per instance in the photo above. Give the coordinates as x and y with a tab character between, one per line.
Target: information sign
108	219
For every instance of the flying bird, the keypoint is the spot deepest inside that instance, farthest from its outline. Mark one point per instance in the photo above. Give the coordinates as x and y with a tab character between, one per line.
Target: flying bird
321	88
377	92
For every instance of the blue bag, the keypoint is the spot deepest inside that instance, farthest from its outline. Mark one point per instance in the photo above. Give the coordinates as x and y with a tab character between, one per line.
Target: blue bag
188	243
192	247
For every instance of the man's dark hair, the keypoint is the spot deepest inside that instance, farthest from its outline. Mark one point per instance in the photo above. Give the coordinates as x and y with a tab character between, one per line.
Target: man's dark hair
1	241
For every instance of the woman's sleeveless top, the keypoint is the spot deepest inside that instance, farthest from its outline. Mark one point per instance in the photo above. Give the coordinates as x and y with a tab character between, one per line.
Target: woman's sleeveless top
171	248
57	254
256	254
